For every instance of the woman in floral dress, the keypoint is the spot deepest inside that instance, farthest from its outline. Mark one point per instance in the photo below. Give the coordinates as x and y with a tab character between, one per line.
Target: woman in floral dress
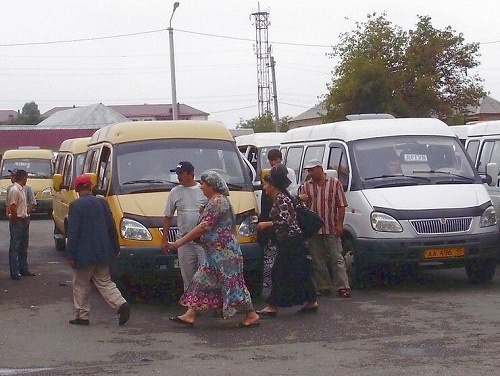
290	275
218	283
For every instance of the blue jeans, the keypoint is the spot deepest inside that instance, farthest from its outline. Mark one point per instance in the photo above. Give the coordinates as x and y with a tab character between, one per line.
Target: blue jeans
18	250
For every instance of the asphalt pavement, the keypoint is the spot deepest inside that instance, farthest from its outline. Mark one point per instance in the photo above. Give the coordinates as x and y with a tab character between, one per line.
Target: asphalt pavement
439	324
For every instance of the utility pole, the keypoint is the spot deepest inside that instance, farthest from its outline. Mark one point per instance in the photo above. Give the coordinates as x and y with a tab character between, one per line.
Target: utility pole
172	65
275	95
262	51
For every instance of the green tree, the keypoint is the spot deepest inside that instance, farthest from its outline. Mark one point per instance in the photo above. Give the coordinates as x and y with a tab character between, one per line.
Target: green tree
420	73
30	114
264	123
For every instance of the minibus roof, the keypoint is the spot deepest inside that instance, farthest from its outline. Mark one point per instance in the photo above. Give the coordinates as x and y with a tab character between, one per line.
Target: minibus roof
365	129
75	145
484	128
262	139
154	130
28	153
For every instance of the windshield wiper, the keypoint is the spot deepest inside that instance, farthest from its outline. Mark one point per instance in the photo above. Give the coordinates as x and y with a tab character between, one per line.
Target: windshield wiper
447	173
35	175
150	181
398	176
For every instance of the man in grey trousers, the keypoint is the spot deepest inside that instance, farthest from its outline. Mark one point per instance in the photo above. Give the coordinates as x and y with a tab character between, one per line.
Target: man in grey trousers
188	199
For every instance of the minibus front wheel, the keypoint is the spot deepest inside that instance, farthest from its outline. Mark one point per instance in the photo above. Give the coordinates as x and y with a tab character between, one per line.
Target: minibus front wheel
481	271
354	266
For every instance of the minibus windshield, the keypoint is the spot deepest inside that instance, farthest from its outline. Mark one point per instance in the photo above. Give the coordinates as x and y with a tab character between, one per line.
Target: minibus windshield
36	168
411	160
146	164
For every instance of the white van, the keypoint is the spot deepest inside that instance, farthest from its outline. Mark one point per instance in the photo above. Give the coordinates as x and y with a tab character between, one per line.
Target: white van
483	146
255	147
434	212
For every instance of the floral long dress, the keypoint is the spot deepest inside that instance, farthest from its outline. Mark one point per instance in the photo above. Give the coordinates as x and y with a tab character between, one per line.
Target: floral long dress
291	277
218	283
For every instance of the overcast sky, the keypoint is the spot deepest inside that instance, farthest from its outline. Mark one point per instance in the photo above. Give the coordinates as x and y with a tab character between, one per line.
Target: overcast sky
80	52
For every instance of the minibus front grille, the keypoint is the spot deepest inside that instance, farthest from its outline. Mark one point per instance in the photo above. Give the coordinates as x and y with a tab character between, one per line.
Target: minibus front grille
172	233
441	225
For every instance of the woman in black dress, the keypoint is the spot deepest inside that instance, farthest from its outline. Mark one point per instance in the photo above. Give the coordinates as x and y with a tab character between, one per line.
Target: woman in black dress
290	275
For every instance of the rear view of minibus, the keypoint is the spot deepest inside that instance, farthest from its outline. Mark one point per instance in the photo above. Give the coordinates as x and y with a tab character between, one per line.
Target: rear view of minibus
39	163
131	164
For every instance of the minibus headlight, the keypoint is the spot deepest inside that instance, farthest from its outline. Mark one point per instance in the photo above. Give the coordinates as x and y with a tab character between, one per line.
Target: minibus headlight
248	227
134	230
47	192
385	223
488	218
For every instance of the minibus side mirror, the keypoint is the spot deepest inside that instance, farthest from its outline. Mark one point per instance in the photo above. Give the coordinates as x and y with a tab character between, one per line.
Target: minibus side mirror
57	182
257	185
332	174
492	174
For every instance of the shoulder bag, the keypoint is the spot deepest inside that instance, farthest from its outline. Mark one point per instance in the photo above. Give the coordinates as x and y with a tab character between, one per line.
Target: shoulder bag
309	222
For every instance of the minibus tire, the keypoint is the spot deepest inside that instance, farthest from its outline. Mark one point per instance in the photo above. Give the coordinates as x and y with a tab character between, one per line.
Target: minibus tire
59	242
481	271
354	267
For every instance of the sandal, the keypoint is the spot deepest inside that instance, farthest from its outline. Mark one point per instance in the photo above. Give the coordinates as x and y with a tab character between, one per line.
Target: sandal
344	292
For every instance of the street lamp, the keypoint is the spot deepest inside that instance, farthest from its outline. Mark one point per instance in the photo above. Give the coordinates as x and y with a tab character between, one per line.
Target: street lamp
172	64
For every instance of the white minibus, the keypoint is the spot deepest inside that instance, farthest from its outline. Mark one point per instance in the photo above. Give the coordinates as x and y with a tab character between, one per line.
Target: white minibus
433	212
483	146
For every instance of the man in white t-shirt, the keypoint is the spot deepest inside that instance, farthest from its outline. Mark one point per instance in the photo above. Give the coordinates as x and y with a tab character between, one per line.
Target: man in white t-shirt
187	199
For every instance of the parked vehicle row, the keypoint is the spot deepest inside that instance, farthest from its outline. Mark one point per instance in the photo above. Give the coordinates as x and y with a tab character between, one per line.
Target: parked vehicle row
438	209
415	199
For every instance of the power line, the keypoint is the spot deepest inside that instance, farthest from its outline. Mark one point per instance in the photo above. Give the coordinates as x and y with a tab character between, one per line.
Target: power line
75	40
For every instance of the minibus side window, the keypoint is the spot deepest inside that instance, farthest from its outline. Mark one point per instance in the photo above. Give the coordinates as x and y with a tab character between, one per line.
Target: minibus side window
104	166
292	159
91	161
338	161
60	163
472	148
252	156
67	174
485	156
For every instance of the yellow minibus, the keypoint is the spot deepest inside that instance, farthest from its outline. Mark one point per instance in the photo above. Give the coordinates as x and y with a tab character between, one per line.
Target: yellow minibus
68	165
39	163
131	162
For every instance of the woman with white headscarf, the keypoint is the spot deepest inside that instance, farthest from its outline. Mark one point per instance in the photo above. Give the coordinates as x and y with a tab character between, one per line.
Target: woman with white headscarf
218	283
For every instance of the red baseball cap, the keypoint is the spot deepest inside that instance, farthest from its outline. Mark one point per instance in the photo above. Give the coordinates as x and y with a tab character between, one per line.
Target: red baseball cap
82	181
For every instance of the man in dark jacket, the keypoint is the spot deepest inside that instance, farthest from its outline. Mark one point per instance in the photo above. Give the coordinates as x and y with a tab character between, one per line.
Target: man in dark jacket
92	244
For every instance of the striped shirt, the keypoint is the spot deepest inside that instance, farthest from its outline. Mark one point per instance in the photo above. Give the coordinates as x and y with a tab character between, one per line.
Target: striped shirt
325	199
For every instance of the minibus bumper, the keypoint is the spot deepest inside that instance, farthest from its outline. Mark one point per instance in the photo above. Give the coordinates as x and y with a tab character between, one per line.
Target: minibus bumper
429	251
149	265
43	206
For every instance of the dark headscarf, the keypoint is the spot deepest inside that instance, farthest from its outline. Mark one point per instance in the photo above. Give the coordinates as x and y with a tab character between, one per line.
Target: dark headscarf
278	177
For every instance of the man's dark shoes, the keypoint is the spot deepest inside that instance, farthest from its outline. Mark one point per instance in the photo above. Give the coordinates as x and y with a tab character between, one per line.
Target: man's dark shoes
16	277
124	313
28	274
79	321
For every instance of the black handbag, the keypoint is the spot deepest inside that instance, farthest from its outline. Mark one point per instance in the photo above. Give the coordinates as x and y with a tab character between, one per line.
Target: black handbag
309	222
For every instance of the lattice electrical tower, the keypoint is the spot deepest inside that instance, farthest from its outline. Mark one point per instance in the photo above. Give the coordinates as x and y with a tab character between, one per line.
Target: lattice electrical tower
263	52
